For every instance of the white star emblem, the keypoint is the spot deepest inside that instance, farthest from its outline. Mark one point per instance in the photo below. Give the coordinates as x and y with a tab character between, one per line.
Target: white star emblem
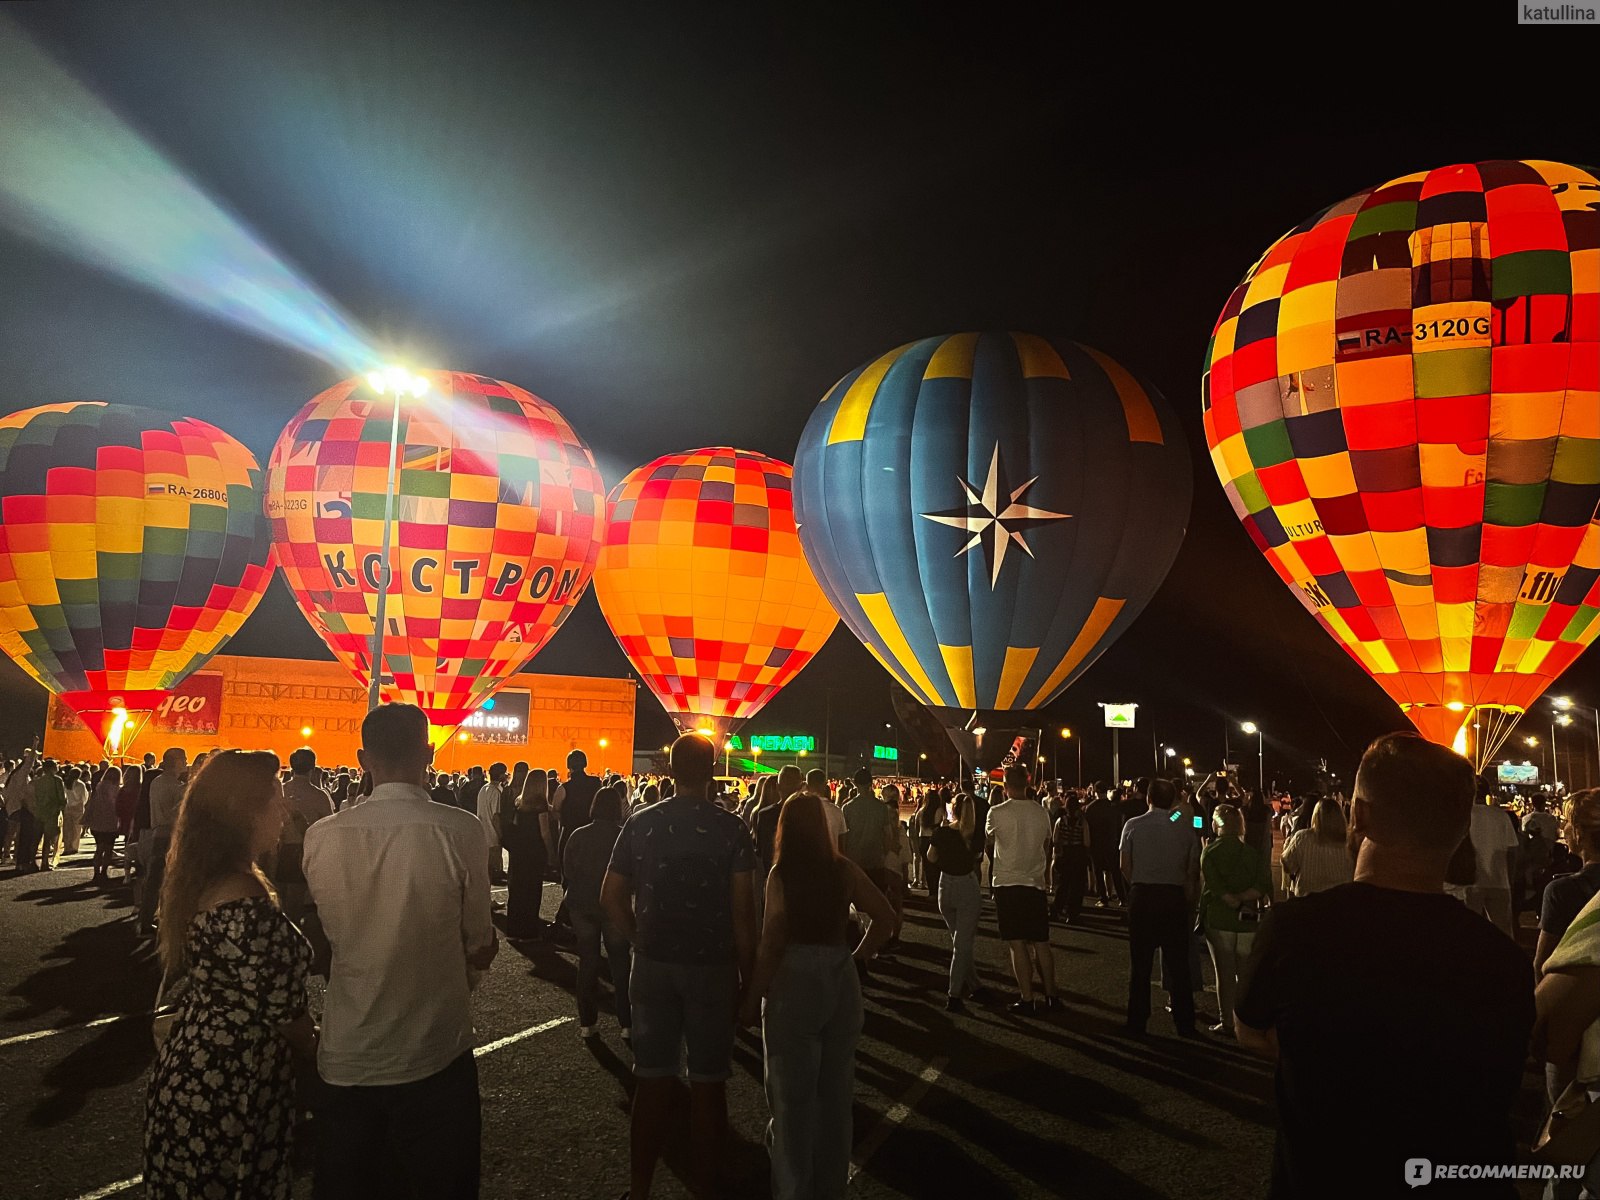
991	526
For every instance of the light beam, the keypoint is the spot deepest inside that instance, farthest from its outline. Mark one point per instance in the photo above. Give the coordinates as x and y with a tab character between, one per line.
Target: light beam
76	178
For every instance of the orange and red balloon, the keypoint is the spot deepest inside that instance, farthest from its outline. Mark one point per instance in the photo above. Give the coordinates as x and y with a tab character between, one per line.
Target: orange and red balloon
704	584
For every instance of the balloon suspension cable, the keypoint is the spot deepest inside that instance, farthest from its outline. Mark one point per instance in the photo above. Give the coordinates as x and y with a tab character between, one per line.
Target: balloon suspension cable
1492	727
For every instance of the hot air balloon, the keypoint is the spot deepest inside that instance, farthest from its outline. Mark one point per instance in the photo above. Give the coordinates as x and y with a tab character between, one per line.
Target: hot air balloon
705	587
987	513
1402	400
132	546
497	522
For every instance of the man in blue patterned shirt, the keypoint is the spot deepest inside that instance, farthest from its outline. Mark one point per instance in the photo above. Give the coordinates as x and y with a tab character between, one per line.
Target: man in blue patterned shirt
681	886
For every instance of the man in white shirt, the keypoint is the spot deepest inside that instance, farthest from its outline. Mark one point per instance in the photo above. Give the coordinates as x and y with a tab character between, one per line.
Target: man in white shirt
488	803
1494	841
402	892
166	795
1018	833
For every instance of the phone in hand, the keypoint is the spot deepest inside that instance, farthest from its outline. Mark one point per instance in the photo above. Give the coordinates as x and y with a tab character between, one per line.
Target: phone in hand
1199	822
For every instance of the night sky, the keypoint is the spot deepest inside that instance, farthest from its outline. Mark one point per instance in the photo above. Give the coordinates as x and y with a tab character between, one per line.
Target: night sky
681	230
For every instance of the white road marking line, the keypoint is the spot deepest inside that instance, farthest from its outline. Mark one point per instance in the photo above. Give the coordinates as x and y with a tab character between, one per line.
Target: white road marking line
44	1033
491	1047
111	1189
895	1116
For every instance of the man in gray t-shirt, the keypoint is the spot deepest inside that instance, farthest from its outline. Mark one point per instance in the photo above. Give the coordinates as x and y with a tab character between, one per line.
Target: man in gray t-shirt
1161	861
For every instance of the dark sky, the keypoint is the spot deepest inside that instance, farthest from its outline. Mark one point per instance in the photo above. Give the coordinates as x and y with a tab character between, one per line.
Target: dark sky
681	230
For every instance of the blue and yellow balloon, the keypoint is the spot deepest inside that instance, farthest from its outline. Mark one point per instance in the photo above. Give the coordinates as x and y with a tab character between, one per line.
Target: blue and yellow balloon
988	512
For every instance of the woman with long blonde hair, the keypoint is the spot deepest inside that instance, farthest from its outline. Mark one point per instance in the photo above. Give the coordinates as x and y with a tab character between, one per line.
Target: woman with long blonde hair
220	1110
1317	858
960	898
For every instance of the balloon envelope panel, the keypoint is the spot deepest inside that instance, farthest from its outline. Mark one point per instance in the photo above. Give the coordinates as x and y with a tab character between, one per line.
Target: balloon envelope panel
497	524
705	586
132	546
988	512
1402	401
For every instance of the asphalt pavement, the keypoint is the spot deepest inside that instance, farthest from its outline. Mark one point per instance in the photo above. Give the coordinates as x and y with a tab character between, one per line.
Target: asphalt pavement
980	1105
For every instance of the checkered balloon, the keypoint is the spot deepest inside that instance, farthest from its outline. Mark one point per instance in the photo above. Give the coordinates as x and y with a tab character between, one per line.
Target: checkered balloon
497	523
132	547
704	584
1402	400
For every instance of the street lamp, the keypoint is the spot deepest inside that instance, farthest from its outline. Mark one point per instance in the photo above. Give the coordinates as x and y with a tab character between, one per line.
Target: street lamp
1250	727
921	758
399	382
727	756
1532	743
1562	720
756	753
1565	702
1066	735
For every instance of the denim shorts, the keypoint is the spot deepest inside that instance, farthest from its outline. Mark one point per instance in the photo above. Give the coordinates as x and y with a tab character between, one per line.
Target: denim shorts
678	1006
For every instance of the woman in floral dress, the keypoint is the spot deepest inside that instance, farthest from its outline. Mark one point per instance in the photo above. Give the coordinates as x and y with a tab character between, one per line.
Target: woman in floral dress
219	1116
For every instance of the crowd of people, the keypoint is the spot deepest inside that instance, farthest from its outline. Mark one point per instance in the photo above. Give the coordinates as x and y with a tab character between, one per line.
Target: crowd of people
1392	918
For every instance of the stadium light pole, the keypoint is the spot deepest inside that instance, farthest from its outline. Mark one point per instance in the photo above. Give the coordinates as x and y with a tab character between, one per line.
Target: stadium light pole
1250	727
400	382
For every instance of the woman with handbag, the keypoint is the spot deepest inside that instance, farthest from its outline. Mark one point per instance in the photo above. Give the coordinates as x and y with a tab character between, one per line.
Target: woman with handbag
1234	878
220	1111
1567	1037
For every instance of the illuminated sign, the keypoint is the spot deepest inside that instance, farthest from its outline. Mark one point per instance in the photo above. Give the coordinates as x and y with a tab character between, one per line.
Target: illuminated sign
194	706
502	721
888	753
777	743
1119	716
1519	774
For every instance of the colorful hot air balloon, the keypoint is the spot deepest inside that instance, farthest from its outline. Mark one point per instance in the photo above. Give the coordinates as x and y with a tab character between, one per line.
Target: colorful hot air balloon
705	587
497	525
987	513
132	547
1403	403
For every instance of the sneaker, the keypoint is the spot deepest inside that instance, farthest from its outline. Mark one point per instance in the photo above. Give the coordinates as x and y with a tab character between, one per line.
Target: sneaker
981	995
1102	904
1052	1004
1022	1008
954	1004
586	1032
